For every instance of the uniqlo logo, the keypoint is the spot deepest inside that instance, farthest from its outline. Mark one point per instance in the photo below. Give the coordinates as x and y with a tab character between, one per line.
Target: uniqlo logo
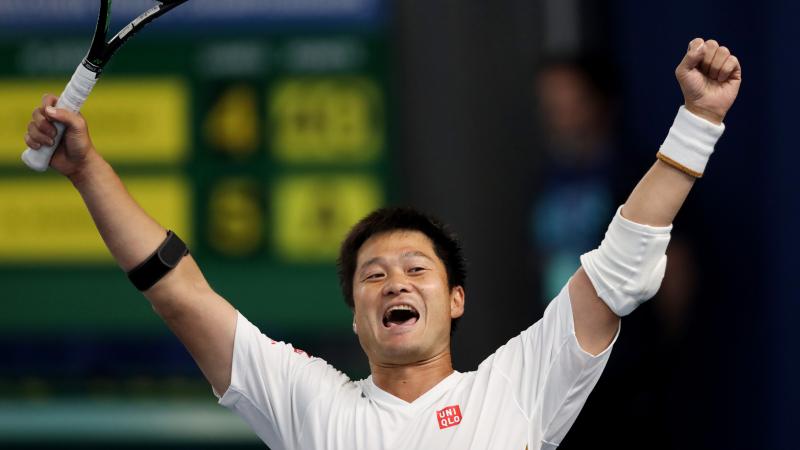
448	417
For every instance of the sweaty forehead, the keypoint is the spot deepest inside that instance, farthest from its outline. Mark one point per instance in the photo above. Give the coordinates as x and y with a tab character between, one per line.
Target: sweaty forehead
398	243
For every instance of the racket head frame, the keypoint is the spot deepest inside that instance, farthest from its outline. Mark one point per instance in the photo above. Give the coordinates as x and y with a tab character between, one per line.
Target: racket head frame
101	51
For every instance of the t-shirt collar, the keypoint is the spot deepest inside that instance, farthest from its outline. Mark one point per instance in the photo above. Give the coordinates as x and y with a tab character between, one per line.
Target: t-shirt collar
374	392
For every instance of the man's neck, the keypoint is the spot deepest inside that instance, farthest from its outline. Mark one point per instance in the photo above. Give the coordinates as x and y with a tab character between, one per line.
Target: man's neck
409	381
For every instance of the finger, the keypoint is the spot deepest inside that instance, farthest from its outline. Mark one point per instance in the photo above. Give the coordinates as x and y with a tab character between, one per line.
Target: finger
49	100
42	123
38	136
730	69
716	63
694	54
710	50
70	119
31	143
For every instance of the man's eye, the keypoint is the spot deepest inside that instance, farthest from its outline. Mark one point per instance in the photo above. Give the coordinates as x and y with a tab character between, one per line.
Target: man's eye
416	269
373	276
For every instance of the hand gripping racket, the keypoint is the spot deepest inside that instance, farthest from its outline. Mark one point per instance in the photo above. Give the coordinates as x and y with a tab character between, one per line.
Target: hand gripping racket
89	70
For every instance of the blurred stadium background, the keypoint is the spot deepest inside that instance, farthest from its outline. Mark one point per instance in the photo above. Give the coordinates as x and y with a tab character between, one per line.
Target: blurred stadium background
261	132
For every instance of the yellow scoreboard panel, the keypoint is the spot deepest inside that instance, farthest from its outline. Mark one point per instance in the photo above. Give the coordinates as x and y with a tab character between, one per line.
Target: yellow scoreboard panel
323	119
44	220
133	120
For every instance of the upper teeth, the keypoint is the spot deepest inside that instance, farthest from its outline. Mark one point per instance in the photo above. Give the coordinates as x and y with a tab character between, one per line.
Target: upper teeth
400	308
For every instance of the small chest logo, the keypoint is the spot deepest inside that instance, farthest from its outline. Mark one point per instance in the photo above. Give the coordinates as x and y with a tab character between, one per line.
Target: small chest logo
448	417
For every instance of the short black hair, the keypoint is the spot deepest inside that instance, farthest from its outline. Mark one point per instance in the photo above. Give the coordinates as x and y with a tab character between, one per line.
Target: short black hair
445	244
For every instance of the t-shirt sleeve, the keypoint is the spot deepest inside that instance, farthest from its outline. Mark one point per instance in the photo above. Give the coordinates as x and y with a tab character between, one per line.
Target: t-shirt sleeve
550	375
273	384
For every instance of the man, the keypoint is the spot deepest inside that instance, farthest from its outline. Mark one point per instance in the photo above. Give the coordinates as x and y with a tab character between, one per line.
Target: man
401	273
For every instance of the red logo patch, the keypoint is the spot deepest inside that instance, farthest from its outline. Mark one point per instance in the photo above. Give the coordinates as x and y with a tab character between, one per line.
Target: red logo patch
448	417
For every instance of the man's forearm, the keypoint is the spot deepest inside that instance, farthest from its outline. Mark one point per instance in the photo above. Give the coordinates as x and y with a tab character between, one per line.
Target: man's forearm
658	196
129	233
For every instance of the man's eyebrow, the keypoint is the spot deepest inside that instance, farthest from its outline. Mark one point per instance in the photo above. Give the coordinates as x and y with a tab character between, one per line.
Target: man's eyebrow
377	259
415	253
370	262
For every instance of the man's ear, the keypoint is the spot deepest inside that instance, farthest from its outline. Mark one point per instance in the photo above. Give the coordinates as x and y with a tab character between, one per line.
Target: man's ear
457	302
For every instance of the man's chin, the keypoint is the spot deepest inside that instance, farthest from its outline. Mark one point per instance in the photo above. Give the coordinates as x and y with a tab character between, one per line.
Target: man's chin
401	353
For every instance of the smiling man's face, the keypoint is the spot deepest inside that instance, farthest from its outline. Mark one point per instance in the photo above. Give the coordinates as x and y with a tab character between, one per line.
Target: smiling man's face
403	304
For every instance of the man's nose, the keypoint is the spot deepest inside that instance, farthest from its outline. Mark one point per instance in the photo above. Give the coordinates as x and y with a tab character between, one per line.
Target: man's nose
396	284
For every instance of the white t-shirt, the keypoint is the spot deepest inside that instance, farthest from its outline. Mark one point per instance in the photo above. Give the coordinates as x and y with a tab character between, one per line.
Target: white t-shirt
527	394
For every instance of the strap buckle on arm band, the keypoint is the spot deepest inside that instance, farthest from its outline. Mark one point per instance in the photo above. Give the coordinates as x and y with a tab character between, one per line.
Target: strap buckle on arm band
164	259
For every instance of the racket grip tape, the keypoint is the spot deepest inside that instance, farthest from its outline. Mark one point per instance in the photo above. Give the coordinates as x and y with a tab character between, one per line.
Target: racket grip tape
76	92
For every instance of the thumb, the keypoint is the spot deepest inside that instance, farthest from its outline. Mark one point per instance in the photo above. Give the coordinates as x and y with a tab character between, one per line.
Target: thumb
49	100
68	118
694	55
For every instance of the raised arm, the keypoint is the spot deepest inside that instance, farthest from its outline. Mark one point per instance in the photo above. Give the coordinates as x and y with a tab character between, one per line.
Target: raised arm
201	319
709	77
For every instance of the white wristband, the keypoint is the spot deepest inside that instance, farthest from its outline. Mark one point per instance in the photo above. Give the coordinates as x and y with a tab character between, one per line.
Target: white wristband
690	142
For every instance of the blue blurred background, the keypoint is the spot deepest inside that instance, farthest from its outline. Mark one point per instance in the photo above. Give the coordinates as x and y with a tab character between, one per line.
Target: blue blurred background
262	130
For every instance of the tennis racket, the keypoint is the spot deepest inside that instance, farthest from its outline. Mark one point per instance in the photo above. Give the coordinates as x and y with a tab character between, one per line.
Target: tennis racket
89	70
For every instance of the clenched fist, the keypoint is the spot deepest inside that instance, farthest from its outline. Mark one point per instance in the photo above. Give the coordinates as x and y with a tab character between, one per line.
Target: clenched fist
709	76
76	144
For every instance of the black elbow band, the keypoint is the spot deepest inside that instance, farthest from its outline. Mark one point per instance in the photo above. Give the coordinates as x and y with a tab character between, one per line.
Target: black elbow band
164	259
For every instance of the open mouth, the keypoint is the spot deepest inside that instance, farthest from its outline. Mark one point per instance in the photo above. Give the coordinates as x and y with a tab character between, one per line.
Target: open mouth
399	315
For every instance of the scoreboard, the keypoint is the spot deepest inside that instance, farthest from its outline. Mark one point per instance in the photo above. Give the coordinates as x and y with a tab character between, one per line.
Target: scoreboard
260	142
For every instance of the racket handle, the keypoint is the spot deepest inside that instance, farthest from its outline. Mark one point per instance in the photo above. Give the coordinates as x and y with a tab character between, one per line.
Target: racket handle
76	92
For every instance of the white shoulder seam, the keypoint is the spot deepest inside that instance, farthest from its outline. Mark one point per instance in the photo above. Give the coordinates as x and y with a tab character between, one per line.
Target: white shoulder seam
317	398
514	395
571	387
247	397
